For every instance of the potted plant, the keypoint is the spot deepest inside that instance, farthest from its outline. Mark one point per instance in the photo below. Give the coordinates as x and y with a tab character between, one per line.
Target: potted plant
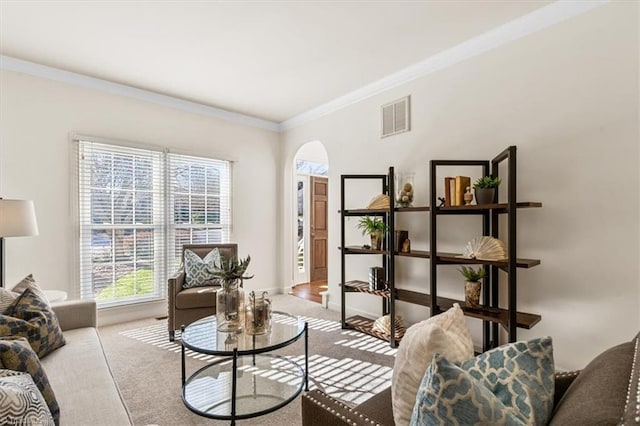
485	189
230	297
473	285
375	227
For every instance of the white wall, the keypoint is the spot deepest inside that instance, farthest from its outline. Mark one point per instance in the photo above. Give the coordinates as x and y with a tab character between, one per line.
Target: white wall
37	117
568	98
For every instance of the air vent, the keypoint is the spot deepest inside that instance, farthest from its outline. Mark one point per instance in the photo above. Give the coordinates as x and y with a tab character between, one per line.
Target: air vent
396	117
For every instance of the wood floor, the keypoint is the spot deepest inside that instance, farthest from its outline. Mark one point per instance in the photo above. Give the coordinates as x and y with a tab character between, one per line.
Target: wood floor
310	291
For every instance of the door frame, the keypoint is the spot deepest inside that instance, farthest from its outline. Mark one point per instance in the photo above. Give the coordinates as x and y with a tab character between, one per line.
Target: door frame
301	277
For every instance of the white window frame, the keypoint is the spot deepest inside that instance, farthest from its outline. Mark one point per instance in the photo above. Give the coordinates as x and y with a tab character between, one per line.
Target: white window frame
164	244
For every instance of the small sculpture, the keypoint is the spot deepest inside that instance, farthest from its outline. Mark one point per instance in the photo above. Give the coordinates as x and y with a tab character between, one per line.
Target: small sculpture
379	202
406	246
468	197
383	324
485	248
442	201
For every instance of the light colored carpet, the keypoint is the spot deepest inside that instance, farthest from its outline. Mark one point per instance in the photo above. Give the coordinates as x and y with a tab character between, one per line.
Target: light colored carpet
346	364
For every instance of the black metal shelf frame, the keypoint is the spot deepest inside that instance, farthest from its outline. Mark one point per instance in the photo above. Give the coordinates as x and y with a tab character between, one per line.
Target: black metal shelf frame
490	226
388	305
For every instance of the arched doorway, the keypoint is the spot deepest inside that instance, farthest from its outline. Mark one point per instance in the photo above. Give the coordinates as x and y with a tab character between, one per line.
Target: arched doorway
311	172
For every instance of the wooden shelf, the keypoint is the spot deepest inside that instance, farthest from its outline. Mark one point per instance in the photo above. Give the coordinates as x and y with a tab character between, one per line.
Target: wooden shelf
360	250
415	253
365	325
454	258
477	209
498	315
412	209
363	287
365	212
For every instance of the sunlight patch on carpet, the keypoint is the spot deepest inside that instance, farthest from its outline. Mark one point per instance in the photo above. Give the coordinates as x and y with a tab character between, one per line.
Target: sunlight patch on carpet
351	380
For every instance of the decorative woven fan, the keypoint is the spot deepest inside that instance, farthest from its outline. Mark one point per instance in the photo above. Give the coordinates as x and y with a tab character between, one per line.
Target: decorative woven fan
485	248
379	202
383	324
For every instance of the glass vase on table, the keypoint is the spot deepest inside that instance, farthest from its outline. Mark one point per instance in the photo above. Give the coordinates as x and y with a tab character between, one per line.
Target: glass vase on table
230	306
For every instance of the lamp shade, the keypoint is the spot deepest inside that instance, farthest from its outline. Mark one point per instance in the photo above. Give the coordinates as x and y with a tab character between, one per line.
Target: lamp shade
17	218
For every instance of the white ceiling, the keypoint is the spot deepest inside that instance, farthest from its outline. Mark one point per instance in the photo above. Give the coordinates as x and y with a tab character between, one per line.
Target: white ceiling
267	59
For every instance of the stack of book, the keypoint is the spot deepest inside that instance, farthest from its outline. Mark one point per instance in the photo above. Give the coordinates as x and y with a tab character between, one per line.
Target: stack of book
454	189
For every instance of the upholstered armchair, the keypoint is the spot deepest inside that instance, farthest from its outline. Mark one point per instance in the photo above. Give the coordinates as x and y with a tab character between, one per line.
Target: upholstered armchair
187	305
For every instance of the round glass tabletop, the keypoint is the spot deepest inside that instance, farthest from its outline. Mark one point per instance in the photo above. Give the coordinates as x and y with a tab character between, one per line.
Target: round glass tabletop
202	336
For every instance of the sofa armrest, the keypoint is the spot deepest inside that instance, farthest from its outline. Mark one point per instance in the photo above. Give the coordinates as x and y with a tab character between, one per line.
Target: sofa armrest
75	314
319	409
175	283
563	381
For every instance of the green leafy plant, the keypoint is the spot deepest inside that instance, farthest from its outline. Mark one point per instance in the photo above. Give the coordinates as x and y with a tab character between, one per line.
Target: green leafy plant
471	274
372	226
232	270
487	182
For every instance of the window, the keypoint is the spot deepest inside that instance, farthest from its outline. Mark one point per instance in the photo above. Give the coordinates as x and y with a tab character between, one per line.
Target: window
136	209
199	199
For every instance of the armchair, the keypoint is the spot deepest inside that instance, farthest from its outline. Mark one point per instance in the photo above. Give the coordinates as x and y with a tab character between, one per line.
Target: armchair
190	304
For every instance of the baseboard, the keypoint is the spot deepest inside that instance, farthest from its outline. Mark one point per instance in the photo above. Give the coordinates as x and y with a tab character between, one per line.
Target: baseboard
336	307
138	311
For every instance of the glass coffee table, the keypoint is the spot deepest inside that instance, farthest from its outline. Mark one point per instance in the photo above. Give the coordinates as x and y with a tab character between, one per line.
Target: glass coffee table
246	381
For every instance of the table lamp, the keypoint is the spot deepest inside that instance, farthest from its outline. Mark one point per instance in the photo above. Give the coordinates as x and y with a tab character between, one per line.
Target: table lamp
17	219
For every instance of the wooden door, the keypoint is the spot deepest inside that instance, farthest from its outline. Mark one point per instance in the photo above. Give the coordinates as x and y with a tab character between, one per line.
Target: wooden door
318	231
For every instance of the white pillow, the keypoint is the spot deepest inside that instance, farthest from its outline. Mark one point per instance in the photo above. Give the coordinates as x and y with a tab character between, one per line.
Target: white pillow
446	334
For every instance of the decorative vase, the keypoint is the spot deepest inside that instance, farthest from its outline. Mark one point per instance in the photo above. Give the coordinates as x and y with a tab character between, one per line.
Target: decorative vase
472	293
230	306
376	241
258	316
485	196
404	190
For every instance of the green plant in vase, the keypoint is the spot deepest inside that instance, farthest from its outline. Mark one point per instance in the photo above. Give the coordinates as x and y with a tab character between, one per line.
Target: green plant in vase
230	297
375	228
473	285
485	189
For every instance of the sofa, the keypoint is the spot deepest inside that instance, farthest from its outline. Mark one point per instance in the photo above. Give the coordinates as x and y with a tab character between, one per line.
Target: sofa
606	391
79	373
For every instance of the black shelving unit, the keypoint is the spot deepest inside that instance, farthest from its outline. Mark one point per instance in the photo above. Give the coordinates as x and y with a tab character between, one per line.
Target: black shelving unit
491	313
360	323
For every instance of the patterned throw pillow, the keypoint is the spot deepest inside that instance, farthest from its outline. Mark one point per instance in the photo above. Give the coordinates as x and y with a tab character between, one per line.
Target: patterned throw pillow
31	316
199	272
509	385
446	333
7	297
21	402
16	354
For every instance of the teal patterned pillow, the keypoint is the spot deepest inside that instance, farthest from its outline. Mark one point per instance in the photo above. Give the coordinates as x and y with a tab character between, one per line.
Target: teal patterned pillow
199	272
509	385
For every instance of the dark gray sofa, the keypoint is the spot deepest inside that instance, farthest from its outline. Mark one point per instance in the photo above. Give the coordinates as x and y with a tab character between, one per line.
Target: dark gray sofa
605	392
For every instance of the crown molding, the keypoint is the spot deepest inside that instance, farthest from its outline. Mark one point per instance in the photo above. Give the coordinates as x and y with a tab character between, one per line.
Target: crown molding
528	24
18	65
533	22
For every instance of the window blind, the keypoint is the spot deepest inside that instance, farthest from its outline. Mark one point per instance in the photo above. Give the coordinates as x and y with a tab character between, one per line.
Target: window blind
136	209
199	194
121	216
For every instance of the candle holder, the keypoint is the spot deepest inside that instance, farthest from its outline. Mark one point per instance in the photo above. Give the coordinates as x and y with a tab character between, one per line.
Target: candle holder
258	314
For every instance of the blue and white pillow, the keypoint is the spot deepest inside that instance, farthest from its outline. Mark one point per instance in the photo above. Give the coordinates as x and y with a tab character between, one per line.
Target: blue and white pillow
198	271
509	385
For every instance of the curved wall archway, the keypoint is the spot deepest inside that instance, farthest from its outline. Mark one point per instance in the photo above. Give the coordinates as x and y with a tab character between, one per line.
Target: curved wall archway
307	166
